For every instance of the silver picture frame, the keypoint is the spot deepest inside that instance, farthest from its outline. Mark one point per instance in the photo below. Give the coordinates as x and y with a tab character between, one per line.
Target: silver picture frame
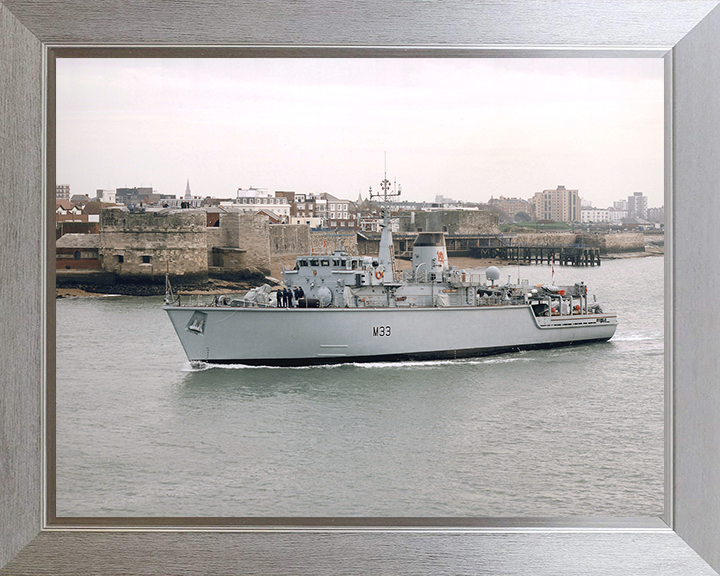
686	33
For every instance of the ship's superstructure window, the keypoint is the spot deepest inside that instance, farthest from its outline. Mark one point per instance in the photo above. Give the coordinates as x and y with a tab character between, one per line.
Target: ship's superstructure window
314	262
325	262
302	262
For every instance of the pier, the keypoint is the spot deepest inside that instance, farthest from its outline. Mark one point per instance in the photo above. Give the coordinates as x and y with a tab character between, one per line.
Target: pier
495	247
573	255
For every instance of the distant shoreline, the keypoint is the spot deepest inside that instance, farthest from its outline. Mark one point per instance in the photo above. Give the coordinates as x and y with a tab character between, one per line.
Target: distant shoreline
213	287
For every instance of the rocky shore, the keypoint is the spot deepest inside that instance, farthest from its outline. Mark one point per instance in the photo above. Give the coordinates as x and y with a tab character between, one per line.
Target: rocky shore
70	286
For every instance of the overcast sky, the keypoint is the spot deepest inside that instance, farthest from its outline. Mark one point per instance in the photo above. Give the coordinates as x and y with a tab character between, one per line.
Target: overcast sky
468	129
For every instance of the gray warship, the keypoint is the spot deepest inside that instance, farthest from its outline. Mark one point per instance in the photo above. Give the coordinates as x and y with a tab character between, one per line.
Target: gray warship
361	309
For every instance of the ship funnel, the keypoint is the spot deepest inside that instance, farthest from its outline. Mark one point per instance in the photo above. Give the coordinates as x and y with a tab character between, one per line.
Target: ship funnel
429	251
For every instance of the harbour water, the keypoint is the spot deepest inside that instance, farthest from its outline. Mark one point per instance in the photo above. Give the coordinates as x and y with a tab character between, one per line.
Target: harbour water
565	432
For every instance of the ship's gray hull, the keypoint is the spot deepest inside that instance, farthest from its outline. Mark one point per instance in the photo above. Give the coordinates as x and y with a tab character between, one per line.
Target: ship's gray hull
296	336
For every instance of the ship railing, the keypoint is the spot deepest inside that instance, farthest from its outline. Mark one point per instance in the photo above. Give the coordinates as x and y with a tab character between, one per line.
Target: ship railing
239	303
491	301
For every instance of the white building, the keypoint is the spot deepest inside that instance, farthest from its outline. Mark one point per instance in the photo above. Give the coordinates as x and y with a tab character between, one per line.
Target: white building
254	199
106	196
620	205
594	216
374	224
616	215
312	221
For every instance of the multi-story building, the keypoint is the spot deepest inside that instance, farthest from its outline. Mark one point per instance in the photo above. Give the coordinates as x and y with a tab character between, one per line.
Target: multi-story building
656	214
620	205
136	195
616	215
637	205
289	197
62	192
560	205
511	207
106	196
340	214
312	221
594	216
257	199
304	209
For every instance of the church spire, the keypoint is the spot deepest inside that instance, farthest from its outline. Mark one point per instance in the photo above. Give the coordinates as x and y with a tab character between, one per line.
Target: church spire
188	195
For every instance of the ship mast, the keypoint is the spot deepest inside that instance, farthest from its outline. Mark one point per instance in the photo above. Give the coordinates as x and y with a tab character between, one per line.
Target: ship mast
386	254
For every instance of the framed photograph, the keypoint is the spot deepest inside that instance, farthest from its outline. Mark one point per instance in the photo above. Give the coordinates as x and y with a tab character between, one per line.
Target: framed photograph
308	438
684	540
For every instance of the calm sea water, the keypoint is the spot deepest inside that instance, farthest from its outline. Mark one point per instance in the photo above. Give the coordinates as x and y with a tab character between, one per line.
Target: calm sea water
573	431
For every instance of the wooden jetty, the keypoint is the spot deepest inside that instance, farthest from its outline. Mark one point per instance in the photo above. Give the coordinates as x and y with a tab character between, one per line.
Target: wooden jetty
492	247
571	255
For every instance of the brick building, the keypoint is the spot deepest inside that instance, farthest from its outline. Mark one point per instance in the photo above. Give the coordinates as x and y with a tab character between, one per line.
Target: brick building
62	192
511	207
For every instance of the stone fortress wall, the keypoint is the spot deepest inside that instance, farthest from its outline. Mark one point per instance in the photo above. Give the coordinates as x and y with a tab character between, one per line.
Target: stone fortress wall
450	221
607	243
142	246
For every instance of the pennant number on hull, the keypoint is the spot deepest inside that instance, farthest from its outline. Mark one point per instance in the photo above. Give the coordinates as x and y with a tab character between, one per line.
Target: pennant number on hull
381	330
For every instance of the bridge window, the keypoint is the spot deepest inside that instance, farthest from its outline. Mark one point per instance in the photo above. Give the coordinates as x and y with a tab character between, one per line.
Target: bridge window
325	262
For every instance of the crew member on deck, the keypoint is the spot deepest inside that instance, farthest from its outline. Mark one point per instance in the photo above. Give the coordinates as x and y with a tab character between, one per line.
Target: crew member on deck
299	293
288	298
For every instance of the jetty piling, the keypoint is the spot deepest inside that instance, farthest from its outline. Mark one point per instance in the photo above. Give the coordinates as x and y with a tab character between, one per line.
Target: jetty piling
577	255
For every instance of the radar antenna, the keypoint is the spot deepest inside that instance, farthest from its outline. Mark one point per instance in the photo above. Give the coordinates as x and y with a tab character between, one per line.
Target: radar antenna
386	253
389	190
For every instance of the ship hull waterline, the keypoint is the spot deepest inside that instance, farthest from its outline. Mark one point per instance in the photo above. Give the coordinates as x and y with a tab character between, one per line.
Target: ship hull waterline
304	337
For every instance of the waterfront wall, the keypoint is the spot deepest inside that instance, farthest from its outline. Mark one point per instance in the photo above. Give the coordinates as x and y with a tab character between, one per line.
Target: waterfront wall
451	221
326	242
140	247
136	246
545	239
289	239
624	242
607	243
249	232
